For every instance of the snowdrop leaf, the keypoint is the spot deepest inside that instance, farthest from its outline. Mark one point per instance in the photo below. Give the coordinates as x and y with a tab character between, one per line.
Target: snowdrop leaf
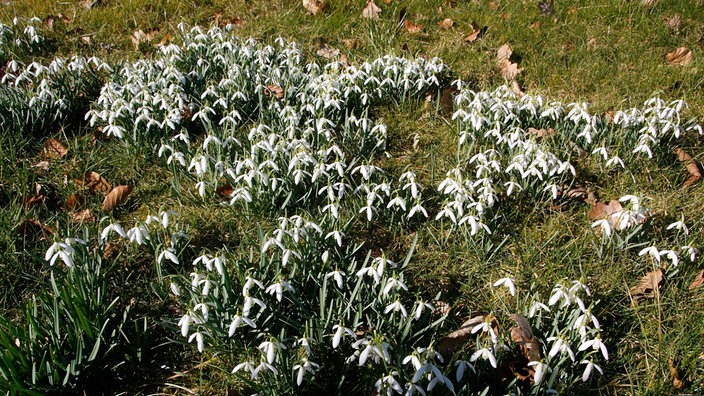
649	285
692	167
116	197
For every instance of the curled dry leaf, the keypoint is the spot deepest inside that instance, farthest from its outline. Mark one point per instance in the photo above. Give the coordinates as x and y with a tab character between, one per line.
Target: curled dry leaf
674	22
93	181
117	197
53	149
649	285
412	27
139	36
698	281
682	56
82	216
454	341
225	190
275	91
592	44
446	23
350	43
676	382
74	202
32	228
692	168
371	10
523	336
476	34
602	211
327	51
648	3
314	6
542	132
508	69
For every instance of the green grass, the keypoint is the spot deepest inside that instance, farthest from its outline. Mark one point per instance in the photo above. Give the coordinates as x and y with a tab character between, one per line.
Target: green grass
539	243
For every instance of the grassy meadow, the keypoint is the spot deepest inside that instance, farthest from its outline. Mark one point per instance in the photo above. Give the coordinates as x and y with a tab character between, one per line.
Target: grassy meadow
239	197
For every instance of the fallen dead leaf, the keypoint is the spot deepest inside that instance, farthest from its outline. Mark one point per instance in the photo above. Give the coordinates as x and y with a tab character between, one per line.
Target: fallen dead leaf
88	4
493	5
42	165
476	34
508	69
592	44
314	6
275	91
327	51
446	100
542	132
523	336
649	285
602	211
412	27
535	25
86	40
93	181
225	190
371	11
692	167
674	22
676	382
74	202
53	149
446	23
116	197
698	281
682	56
516	89
82	216
453	342
350	43
648	3
344	61
139	36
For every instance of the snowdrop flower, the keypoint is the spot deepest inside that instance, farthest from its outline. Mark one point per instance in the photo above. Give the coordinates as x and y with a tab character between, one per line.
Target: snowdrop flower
652	251
415	209
595	344
391	283
462	366
539	368
175	290
421	307
508	283
395	307
169	254
605	225
389	383
370	271
185	323
537	305
115	227
247	366
679	225
338	276
602	151
269	349
340	331
560	346
691	251
304	367
248	302
199	340
588	370
239	321
672	255
615	160
278	288
249	282
60	250
485	354
138	234
557	294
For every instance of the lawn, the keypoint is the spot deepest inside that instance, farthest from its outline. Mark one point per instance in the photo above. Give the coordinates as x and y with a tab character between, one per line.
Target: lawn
343	197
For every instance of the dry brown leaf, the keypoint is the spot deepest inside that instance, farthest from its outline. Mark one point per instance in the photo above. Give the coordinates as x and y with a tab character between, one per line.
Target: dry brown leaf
649	285
674	22
88	4
472	37
93	181
542	132
516	89
592	44
442	308
453	342
523	336
446	100
648	3
350	43
504	52
86	40
698	281
42	165
676	382
508	69
275	91
82	216
535	25
446	23
371	11
692	167
74	202
314	6
602	211
493	5
35	200
344	61
682	56
412	27
53	149
327	51
139	36
225	190
117	196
